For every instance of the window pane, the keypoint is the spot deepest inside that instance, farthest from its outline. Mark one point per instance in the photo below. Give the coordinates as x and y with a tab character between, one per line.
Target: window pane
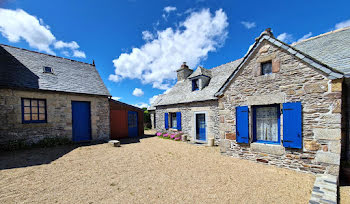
42	103
34	103
41	116
34	109
267	124
26	109
173	120
26	117
41	110
266	68
26	102
34	116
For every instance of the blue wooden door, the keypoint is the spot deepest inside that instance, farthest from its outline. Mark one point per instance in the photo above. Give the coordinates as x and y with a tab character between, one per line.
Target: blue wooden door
132	124
81	121
242	124
200	127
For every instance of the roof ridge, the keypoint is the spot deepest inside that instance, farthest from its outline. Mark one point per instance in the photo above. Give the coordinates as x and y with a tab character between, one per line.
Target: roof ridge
321	35
45	54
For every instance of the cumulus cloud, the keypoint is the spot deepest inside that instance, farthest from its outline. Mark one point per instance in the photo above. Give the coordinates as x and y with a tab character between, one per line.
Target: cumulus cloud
137	92
342	24
116	98
141	105
157	60
248	24
16	25
78	53
306	36
285	37
146	35
169	9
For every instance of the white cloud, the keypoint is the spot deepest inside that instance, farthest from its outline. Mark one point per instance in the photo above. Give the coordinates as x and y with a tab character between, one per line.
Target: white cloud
248	24
78	53
342	24
16	25
153	99
306	36
146	35
137	92
285	37
169	9
116	98
141	105
156	61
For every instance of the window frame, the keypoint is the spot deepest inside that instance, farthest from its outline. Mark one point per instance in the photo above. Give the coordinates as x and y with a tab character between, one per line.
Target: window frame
262	67
195	84
277	106
31	120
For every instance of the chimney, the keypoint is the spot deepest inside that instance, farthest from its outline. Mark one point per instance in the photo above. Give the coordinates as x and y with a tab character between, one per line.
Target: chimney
183	72
267	31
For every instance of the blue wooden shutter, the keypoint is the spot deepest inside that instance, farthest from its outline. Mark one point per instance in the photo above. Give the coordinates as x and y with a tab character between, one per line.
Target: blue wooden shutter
292	125
242	124
178	120
166	117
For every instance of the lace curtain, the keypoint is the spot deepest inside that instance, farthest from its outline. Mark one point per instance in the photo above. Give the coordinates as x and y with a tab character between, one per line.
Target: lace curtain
267	124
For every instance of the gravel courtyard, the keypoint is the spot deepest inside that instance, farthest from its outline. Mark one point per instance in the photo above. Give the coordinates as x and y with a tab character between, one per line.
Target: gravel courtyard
152	170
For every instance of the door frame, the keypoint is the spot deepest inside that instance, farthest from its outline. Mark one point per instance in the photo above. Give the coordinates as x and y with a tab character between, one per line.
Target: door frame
90	136
195	127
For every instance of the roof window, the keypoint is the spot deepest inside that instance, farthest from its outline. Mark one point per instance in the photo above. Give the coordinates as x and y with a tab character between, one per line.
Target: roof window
48	70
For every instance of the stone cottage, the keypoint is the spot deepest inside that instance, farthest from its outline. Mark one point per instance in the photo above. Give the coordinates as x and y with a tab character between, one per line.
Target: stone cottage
190	106
286	105
45	96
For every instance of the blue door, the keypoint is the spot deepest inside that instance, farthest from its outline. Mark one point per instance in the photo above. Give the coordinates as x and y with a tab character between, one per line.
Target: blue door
132	124
200	127
81	121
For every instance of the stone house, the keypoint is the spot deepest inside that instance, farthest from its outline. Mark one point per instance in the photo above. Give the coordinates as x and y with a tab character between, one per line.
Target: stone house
285	105
45	96
190	106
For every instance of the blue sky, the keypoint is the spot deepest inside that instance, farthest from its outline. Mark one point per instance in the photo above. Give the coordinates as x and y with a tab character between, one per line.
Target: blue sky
137	45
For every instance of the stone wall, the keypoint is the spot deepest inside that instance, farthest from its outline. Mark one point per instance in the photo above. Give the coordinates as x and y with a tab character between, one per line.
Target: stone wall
59	116
292	80
188	111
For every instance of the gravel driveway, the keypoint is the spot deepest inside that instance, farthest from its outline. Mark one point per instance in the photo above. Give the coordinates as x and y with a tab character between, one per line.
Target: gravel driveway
152	170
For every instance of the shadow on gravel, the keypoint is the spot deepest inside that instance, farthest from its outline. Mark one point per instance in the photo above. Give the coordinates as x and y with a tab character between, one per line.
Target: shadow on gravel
35	156
130	140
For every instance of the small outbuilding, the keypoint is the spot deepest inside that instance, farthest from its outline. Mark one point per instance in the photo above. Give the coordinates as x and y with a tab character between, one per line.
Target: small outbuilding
126	120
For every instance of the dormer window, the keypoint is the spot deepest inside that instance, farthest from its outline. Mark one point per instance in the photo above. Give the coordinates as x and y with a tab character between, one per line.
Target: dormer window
48	70
195	84
266	68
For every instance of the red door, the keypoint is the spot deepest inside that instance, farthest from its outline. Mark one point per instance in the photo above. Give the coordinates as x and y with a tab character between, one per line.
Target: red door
119	124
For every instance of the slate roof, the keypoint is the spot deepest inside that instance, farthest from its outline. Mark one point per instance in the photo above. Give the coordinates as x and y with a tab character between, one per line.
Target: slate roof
200	71
182	90
21	68
332	48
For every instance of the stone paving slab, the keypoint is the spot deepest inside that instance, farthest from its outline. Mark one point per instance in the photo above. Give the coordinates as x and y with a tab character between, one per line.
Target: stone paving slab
324	190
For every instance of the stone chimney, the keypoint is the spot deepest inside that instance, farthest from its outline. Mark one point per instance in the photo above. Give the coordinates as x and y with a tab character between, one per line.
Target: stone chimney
183	72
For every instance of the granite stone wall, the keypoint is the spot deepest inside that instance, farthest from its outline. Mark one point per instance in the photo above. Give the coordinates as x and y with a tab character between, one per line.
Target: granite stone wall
188	111
292	80
59	116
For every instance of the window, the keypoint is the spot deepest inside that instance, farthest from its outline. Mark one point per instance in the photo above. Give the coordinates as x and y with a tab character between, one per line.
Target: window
173	120
48	70
195	84
33	110
266	68
266	124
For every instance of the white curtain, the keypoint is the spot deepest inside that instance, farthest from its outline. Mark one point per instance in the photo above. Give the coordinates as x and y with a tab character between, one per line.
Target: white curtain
267	124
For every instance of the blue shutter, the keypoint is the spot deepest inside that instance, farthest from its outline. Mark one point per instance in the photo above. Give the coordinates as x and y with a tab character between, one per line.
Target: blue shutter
166	117
242	124
292	125
178	120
